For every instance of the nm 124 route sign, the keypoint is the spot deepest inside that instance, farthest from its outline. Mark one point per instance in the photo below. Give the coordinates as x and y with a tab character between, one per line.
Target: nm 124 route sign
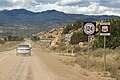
89	28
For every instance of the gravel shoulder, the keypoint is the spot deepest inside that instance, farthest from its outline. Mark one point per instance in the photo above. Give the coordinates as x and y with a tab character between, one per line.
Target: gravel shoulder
55	63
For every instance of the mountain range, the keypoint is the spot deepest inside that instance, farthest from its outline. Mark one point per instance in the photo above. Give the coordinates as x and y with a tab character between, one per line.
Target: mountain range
21	21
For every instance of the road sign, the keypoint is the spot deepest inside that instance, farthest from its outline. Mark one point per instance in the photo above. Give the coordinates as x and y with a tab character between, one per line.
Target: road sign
89	28
68	37
105	29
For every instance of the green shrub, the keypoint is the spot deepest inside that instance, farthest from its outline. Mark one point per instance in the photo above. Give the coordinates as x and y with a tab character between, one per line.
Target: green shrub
78	37
67	29
35	38
61	47
113	41
75	26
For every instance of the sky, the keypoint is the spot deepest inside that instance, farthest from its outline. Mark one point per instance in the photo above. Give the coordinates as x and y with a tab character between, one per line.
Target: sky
88	7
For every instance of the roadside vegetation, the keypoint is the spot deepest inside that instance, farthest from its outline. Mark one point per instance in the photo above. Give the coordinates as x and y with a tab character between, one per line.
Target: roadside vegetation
96	48
73	44
113	41
113	52
9	46
9	42
35	38
96	61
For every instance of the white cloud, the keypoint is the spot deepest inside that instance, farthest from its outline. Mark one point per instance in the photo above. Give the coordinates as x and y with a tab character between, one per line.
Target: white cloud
65	2
93	9
14	1
90	7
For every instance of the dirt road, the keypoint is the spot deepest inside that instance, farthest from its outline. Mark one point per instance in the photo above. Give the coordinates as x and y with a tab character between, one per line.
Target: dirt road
39	66
23	67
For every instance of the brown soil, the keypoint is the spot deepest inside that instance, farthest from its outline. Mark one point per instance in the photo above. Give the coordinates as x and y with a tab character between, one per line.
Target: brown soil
42	66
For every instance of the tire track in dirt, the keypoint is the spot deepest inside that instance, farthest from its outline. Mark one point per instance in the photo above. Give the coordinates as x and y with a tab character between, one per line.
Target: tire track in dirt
14	67
40	70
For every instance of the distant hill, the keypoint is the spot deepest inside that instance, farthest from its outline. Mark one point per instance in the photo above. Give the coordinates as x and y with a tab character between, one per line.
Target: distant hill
19	21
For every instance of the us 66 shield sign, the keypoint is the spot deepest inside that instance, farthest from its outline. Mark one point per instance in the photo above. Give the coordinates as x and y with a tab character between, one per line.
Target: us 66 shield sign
89	28
105	29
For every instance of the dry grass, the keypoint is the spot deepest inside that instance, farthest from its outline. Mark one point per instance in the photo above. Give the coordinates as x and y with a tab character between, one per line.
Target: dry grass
67	60
96	61
9	46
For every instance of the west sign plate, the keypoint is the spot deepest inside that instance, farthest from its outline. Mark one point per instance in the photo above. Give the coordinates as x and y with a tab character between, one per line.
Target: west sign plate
89	28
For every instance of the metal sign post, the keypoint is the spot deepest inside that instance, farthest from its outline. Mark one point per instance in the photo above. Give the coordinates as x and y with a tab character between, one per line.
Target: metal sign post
68	38
104	53
89	29
105	31
88	50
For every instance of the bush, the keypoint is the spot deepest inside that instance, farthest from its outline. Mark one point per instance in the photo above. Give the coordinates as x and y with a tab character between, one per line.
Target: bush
2	41
62	47
96	61
78	37
75	26
59	48
35	38
67	29
15	38
117	50
113	41
76	49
